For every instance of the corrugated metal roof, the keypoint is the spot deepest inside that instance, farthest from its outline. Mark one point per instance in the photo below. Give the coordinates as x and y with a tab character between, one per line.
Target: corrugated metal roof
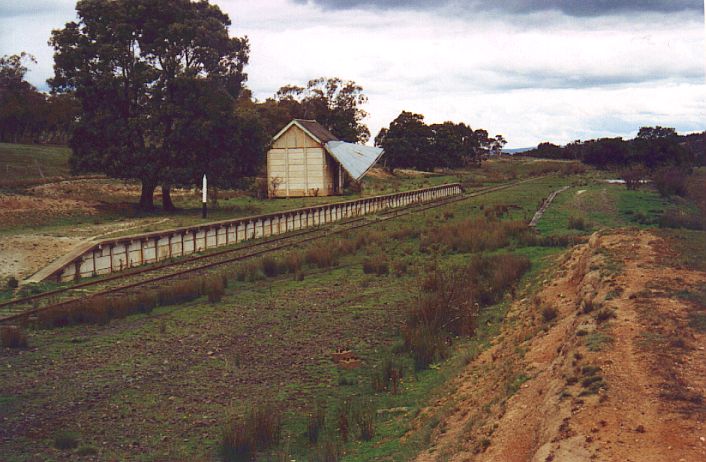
316	129
356	159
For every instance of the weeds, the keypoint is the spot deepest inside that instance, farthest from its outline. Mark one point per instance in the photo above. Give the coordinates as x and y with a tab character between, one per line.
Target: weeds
259	430
315	424
65	439
549	314
376	264
364	417
578	223
12	337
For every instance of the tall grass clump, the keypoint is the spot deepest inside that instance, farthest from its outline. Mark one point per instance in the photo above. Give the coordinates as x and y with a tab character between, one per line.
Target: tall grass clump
12	337
449	303
324	256
376	264
260	429
388	376
214	288
472	235
578	223
315	423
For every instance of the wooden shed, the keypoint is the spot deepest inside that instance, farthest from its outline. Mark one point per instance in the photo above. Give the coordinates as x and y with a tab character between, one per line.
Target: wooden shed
308	160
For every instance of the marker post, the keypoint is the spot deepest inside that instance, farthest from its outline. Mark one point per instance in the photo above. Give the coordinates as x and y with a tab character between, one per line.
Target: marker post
204	198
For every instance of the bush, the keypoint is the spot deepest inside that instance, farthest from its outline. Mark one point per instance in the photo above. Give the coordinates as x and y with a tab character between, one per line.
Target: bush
329	451
12	337
293	262
365	419
343	413
604	315
376	264
676	218
578	223
549	314
450	300
671	181
12	282
259	430
66	440
315	424
323	256
470	236
388	377
270	266
214	288
633	177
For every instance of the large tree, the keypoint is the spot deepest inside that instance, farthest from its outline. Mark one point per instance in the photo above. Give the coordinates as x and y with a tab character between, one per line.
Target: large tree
147	73
333	102
410	143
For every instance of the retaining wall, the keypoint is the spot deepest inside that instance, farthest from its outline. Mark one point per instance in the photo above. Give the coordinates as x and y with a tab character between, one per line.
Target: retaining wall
111	255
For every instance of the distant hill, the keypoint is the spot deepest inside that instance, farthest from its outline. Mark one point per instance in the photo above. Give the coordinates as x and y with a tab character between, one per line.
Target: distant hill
517	150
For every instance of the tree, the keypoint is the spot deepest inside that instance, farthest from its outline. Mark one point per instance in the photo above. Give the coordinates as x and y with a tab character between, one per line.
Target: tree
147	73
332	102
406	142
21	105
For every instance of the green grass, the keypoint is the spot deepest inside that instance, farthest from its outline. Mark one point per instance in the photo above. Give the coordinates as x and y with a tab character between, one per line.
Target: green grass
167	379
24	161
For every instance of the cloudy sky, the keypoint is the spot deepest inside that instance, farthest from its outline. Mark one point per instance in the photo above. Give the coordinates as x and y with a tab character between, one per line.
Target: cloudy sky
532	70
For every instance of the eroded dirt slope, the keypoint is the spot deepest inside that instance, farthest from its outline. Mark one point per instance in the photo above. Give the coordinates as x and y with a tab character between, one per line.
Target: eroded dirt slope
604	363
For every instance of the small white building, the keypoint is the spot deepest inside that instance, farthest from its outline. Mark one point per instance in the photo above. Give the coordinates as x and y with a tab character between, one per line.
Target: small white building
308	160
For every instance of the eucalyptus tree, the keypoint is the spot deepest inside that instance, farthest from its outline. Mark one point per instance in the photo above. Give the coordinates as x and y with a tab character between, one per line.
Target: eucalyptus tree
148	74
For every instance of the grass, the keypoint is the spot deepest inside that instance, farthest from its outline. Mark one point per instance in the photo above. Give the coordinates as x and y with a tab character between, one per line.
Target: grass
32	161
270	333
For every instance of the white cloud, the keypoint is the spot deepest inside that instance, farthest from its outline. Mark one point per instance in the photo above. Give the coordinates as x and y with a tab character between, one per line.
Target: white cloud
532	78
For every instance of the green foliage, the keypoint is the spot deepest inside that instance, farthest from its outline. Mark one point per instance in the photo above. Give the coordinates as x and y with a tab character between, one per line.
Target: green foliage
165	117
449	303
315	423
410	143
332	102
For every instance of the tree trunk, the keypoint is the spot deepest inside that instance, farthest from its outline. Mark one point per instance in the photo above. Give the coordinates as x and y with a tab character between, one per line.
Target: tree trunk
146	196
167	203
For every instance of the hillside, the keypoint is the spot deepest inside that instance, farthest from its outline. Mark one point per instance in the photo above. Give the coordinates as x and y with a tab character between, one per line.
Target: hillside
605	362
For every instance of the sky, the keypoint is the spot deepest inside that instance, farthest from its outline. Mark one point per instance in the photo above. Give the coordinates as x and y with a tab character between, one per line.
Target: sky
531	70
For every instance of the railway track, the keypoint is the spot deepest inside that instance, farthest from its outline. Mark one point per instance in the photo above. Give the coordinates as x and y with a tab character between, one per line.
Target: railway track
153	275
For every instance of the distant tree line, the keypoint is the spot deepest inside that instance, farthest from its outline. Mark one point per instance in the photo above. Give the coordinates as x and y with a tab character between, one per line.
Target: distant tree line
652	148
154	91
28	115
410	143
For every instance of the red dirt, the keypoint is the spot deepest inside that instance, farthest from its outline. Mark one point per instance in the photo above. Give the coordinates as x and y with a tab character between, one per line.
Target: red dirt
653	368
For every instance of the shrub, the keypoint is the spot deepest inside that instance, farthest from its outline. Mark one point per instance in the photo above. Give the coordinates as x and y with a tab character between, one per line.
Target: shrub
578	223
365	419
671	181
214	288
549	314
633	177
66	440
315	424
329	451
250	271
323	256
270	266
605	314
293	262
12	282
450	300
343	413
376	264
677	218
259	430
12	337
388	376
